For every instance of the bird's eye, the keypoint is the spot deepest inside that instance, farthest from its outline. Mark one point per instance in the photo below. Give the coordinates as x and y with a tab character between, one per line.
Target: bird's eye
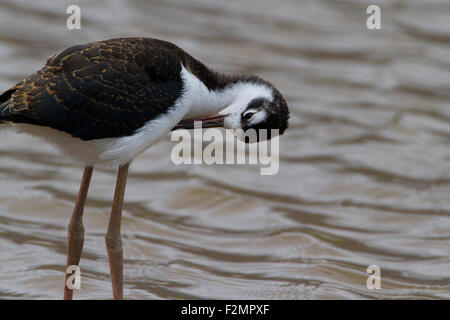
248	115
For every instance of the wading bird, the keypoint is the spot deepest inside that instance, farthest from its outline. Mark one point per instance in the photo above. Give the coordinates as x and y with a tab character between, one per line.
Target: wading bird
104	102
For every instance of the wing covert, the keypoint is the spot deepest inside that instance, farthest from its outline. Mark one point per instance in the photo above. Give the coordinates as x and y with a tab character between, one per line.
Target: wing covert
100	90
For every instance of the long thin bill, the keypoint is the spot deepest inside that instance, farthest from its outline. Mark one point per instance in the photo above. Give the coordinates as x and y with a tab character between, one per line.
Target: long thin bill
212	122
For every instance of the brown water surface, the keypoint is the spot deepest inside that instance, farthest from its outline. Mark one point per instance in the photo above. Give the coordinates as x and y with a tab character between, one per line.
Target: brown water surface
364	167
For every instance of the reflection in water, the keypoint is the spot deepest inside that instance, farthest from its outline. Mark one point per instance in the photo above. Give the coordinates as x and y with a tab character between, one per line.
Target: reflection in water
364	169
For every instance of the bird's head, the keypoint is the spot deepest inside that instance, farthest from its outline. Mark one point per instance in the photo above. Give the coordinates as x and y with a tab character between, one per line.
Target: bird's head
255	104
260	106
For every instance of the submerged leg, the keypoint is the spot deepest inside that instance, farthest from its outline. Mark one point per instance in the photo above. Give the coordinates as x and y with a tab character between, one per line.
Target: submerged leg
75	238
113	236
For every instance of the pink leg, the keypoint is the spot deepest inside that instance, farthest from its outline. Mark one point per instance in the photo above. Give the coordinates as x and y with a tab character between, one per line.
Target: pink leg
76	229
113	236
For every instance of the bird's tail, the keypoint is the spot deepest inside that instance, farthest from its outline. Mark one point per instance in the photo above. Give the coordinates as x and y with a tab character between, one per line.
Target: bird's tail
6	101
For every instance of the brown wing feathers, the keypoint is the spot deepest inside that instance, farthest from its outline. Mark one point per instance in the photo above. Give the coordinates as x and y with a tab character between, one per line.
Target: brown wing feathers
99	90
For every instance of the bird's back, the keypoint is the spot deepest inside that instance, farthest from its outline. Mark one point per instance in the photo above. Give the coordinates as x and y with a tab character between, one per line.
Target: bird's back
102	89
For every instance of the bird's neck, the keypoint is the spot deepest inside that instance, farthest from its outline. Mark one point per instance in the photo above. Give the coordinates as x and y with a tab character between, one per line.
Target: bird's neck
209	92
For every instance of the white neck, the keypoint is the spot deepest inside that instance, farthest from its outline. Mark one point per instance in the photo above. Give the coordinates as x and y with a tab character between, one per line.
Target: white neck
200	101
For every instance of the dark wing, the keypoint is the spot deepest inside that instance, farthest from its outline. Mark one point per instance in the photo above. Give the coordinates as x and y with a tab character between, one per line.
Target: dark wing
98	90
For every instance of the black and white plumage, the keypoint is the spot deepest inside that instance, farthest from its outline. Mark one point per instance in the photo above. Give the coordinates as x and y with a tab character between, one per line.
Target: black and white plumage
107	101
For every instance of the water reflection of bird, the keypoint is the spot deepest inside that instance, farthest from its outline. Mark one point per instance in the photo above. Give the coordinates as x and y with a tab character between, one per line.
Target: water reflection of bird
105	102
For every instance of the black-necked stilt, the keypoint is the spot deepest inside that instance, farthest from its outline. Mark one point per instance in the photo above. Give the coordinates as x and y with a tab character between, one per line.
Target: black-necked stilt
105	102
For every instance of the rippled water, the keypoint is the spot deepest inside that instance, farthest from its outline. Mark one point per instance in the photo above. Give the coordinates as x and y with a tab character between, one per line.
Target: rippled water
364	175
